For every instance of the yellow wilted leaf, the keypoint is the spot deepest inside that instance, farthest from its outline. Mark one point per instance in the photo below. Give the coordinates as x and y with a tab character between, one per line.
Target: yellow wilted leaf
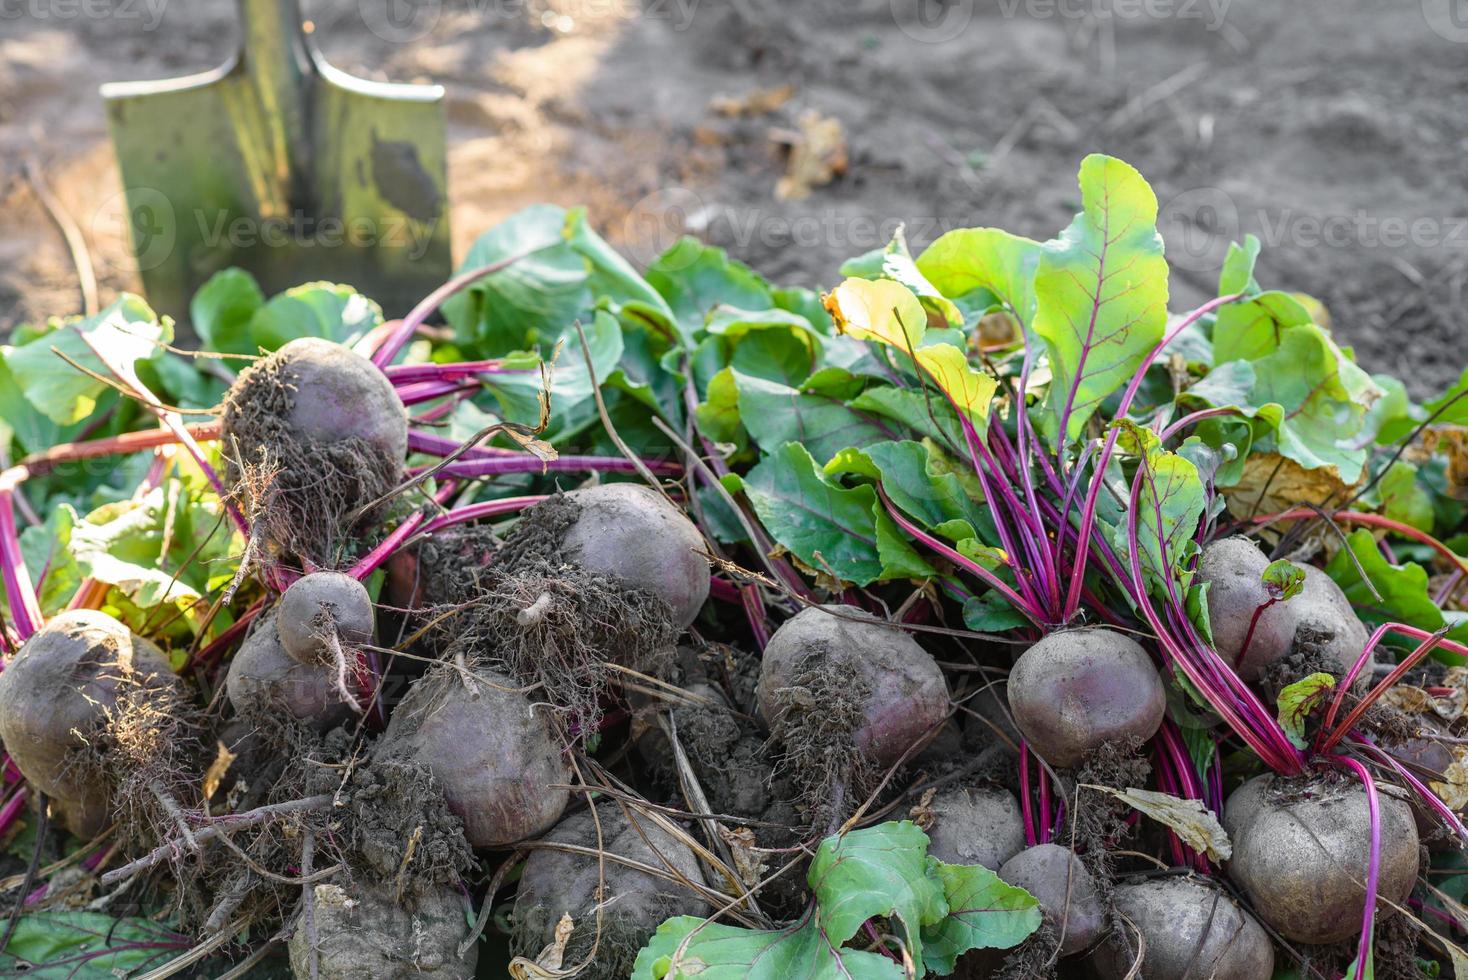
1194	824
1272	483
969	390
878	309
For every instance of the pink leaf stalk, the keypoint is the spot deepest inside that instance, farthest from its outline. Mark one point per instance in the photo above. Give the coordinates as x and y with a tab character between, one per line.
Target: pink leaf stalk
20	593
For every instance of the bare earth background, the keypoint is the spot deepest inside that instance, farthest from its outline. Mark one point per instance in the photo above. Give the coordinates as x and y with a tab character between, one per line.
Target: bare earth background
1335	130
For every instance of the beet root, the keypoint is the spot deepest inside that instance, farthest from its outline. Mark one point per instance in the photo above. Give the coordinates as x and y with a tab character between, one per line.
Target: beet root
365	933
1232	569
1191	929
634	903
1067	893
837	683
976	825
264	680
321	604
312	434
1075	690
60	694
632	534
1326	624
1301	857
495	755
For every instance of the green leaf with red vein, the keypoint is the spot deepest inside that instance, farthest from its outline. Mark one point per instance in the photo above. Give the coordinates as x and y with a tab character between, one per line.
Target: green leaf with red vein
1101	294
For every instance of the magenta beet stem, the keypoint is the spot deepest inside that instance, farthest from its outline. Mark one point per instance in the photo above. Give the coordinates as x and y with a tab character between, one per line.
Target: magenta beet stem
20	592
525	463
1373	867
12	808
473	512
401	374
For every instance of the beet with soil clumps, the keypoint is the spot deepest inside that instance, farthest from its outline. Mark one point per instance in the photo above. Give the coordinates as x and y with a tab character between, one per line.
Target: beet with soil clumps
1300	853
322	612
494	754
1076	690
1239	607
1326	624
847	696
1073	906
361	931
84	693
634	535
976	825
1190	930
311	434
633	902
265	681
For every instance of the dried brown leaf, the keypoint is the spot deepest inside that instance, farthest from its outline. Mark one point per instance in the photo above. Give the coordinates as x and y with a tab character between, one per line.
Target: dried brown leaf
1194	824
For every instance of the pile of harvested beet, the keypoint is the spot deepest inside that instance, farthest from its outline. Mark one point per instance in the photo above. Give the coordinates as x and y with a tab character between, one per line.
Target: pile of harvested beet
725	630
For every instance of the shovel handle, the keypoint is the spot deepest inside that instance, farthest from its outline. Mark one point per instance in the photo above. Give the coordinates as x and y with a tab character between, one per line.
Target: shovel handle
275	55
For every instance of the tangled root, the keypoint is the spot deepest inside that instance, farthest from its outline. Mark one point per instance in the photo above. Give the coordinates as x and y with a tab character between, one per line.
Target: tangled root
815	720
148	751
542	620
298	497
1099	821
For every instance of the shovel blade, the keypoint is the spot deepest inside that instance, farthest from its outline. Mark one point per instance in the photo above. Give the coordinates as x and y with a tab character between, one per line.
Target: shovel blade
360	198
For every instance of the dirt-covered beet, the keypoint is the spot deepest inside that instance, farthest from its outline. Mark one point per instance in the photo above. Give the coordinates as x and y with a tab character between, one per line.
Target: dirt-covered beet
1190	930
976	825
321	604
361	931
1301	857
1077	689
1326	623
634	902
1073	906
1232	569
68	691
311	434
263	679
632	534
494	754
1243	804
896	688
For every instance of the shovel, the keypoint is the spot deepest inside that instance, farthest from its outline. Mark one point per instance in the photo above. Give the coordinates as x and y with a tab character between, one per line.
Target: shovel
285	166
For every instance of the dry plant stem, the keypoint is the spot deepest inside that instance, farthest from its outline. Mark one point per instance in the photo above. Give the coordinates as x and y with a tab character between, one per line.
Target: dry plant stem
487	909
606	420
76	242
30	875
308	901
170	806
218	825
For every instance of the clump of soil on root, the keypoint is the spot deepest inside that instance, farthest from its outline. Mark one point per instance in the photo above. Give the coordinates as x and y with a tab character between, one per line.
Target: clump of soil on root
399	829
298	497
814	721
544	620
1097	821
